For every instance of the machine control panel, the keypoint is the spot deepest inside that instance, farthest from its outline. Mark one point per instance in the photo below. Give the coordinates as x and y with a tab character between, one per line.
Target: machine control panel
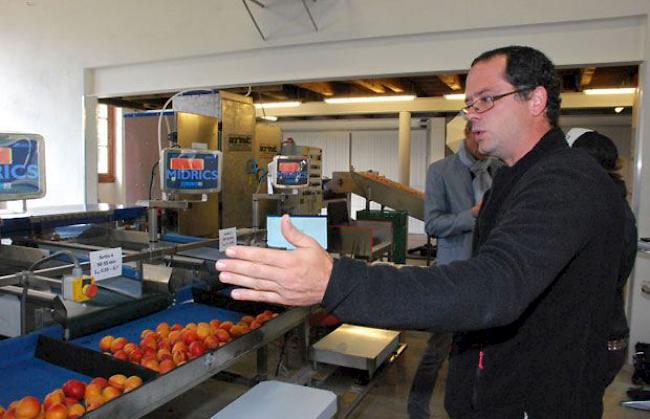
289	172
191	171
22	166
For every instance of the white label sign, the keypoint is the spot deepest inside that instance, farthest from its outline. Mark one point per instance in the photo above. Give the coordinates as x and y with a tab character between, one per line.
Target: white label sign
227	238
106	263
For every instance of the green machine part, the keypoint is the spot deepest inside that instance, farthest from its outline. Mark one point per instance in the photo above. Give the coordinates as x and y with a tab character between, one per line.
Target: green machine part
400	229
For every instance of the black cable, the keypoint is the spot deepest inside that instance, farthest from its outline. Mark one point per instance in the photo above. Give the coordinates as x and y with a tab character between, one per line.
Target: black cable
153	174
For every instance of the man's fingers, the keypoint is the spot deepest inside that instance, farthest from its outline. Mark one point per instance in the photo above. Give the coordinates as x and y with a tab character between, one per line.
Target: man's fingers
295	236
258	255
248	282
254	295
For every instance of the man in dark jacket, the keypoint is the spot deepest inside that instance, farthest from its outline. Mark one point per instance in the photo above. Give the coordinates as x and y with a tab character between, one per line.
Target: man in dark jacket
530	309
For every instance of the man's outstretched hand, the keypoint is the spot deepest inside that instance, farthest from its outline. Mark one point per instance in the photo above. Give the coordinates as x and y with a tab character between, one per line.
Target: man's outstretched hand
295	278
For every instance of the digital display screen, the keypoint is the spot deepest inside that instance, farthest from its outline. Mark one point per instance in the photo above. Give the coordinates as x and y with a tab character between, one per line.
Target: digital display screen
191	171
21	166
314	226
293	172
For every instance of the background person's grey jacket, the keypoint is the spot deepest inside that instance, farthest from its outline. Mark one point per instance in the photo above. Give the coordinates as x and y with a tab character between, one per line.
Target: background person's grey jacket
448	206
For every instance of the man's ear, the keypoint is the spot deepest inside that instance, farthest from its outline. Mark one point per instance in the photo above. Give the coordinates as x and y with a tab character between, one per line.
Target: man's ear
538	100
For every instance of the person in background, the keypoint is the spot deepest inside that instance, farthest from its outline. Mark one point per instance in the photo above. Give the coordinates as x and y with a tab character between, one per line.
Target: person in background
603	149
530	308
454	191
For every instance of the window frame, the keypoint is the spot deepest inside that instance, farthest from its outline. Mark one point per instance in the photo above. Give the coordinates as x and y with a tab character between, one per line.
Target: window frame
109	177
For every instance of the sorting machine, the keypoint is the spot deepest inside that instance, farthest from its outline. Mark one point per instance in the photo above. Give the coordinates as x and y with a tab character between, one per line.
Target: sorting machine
163	278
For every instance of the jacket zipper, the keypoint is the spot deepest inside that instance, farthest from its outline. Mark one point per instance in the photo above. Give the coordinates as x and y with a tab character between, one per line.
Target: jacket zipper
479	369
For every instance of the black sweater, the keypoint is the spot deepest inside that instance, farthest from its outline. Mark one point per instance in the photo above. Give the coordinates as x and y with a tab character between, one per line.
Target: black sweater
532	307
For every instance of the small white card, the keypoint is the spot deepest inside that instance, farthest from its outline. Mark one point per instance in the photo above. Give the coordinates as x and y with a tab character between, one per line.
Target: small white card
106	263
227	238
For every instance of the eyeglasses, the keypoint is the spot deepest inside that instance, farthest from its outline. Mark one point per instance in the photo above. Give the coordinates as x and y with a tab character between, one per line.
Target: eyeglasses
485	103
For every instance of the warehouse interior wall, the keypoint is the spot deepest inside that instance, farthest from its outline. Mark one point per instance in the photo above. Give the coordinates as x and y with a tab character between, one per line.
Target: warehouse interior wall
59	57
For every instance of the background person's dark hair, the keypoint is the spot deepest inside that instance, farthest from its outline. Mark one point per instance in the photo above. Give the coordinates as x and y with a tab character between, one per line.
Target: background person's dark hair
527	66
603	149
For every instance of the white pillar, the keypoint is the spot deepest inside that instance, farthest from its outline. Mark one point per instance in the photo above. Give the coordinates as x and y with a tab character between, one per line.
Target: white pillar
404	150
638	303
437	135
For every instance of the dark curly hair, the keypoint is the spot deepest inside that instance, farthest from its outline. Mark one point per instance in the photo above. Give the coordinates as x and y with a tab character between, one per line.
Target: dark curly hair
603	149
528	67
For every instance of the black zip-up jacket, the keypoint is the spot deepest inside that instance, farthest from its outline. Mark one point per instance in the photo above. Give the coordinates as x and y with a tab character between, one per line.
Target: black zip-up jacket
531	309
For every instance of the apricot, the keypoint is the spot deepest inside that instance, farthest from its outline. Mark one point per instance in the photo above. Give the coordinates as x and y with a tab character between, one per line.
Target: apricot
179	346
226	325
121	355
117	381
247	319
174	336
136	356
28	407
211	342
176	327
54	397
10	414
150	363
110	393
196	349
222	335
100	381
203	330
149	342
162	326
163	354
190	336
215	323
132	383
179	357
76	410
57	411
166	365
130	347
74	389
118	344
190	326
145	333
2	410
105	343
255	325
238	330
164	344
94	402
69	401
92	390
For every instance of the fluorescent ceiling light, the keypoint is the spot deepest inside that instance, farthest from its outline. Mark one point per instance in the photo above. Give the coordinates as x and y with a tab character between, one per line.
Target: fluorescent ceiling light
270	105
618	109
455	96
621	91
269	117
369	99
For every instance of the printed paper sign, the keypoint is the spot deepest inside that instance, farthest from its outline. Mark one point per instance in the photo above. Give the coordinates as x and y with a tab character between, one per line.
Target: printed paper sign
106	263
227	238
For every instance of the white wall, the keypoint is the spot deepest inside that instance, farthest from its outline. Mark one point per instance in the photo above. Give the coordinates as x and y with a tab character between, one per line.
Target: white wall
54	52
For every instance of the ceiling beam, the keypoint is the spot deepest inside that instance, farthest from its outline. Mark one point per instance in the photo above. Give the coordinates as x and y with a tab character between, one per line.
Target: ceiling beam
452	81
396	86
372	85
321	87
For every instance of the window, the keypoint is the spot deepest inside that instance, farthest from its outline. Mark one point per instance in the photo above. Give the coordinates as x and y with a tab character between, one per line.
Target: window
105	143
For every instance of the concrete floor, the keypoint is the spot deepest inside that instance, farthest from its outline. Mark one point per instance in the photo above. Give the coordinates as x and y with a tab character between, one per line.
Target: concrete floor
385	400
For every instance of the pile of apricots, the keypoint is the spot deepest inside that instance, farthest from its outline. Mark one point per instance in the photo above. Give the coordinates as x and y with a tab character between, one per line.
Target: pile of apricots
168	347
73	399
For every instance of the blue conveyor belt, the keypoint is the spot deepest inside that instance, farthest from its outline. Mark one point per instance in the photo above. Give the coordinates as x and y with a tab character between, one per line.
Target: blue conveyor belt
22	374
181	313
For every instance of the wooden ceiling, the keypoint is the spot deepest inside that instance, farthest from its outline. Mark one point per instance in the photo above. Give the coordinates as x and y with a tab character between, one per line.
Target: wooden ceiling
573	80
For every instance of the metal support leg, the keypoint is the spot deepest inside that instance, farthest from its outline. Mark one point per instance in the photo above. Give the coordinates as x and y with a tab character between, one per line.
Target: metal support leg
24	282
262	363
